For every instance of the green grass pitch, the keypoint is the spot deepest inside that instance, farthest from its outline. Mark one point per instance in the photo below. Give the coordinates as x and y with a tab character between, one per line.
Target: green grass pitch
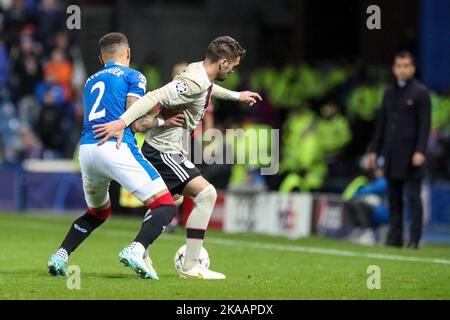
257	267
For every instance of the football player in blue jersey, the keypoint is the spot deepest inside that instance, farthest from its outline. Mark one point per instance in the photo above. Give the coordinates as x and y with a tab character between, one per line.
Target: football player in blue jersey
106	96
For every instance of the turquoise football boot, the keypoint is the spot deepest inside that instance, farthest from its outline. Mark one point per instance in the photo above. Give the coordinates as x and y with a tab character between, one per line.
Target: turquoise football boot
129	259
57	266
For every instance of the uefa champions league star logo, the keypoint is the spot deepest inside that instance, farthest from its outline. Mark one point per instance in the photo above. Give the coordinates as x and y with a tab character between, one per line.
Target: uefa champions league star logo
181	87
142	79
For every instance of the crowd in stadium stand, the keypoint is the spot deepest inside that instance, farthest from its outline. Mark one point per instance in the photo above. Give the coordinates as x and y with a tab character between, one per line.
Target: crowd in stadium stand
325	114
42	72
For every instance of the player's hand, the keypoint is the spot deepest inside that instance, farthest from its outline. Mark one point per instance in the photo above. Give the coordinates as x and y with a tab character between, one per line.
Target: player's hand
249	97
372	161
418	159
176	120
113	129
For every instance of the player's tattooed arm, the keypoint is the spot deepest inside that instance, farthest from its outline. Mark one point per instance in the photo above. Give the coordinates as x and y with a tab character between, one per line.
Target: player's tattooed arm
130	101
144	124
147	122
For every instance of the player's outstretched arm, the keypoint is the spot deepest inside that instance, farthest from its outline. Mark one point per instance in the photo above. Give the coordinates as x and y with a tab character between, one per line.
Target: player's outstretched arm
221	93
170	95
247	97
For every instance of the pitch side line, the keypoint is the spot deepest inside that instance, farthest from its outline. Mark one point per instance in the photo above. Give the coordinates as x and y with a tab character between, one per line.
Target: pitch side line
317	250
248	244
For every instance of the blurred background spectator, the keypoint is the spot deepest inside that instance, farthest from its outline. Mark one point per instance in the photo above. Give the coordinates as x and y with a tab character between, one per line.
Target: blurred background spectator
41	76
365	207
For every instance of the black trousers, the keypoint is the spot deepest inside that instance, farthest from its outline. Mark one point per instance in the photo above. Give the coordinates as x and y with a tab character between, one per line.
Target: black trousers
412	189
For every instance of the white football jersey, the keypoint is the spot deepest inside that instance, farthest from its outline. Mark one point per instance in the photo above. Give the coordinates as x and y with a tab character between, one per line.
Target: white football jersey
189	92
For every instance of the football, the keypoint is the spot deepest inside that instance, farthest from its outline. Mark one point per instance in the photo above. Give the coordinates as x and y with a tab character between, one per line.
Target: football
181	253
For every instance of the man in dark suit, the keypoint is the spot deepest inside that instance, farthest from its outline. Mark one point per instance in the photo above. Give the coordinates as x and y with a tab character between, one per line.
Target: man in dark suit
401	139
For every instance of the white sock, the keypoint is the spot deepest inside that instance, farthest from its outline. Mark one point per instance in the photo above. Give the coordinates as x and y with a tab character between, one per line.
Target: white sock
193	248
62	253
198	220
137	248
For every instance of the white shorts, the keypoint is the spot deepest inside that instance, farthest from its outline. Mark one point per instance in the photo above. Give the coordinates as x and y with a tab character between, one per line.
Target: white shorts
127	166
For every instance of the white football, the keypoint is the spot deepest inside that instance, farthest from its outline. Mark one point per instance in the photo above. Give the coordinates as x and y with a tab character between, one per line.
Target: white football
181	254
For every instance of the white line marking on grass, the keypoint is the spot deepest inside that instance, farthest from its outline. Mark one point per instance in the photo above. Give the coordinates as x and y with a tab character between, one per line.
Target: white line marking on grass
317	250
256	245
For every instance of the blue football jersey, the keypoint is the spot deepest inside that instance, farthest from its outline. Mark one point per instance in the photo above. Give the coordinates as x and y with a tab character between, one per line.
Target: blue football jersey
105	95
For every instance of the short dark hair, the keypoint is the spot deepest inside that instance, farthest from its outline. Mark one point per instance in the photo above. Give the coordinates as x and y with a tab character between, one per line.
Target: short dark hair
405	55
224	47
110	42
